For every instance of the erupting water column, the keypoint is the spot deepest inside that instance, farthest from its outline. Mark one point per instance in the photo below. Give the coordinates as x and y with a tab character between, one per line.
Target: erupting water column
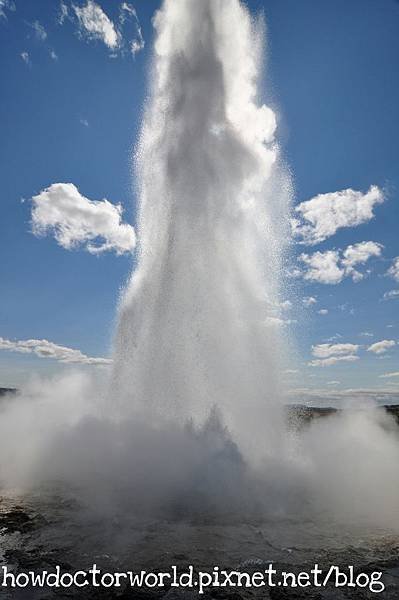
197	323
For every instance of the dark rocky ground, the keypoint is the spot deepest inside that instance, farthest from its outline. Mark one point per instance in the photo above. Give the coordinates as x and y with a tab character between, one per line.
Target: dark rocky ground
35	538
48	529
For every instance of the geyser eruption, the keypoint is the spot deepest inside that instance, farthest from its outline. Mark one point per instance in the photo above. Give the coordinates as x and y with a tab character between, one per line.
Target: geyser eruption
192	420
196	325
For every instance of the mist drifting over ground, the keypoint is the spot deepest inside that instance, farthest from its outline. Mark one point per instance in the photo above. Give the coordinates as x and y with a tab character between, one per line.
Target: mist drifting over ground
190	420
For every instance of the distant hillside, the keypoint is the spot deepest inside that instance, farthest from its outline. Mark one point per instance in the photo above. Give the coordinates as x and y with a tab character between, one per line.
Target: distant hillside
4	391
299	415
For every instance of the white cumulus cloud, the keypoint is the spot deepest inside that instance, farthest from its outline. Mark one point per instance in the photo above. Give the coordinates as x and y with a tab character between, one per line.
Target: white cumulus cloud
75	220
360	253
320	217
322	267
332	266
46	349
326	350
381	347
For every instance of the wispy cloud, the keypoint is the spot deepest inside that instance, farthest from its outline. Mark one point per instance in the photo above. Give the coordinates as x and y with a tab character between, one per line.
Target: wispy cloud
330	354
278	321
6	5
39	31
285	305
334	338
391	295
320	217
393	270
389	375
46	349
74	221
63	13
332	266
26	58
332	360
309	301
128	17
121	36
94	24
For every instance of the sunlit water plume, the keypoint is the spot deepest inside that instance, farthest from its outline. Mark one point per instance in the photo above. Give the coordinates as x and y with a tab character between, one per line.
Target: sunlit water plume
196	325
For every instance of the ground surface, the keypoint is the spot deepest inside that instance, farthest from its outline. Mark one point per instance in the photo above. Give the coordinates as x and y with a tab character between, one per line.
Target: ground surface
48	528
43	531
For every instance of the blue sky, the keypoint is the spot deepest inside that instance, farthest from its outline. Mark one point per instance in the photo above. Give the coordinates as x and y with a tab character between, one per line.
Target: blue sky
71	105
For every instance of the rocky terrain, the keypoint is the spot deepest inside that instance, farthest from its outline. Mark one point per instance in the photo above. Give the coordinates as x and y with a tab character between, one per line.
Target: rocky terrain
36	536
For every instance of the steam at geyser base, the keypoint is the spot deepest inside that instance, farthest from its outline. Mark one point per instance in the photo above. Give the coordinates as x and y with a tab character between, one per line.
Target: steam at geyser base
191	425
